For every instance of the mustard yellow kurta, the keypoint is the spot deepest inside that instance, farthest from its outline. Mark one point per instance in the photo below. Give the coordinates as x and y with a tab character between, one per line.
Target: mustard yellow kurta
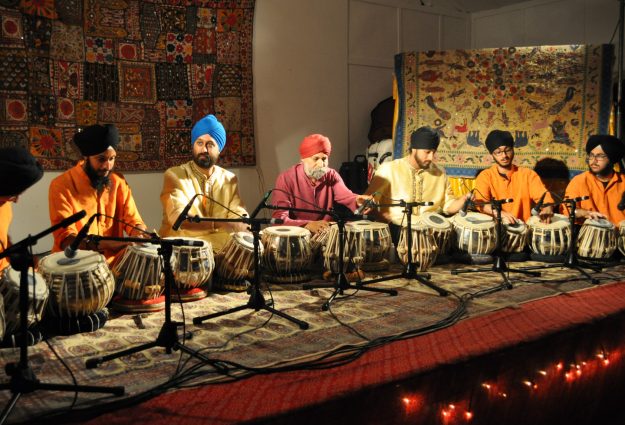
6	215
181	183
398	180
72	192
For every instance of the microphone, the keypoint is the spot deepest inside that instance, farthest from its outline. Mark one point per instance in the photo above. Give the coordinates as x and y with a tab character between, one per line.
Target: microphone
70	250
72	219
583	198
183	214
539	206
467	202
369	203
261	205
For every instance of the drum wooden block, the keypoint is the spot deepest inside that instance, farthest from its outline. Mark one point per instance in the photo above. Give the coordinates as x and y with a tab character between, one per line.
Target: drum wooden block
475	233
549	239
353	249
10	291
287	256
79	286
440	227
424	249
193	268
235	262
377	244
597	240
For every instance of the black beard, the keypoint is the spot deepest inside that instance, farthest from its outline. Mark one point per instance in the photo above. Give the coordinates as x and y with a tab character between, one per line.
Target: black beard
605	171
204	163
97	182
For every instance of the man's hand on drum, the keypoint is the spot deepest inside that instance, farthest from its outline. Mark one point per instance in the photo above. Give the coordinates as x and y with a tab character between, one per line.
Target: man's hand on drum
507	218
588	214
316	226
361	199
545	214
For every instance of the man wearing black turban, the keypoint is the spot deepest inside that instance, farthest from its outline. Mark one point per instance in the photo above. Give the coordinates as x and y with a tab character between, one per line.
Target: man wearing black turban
18	171
414	178
604	185
91	185
504	180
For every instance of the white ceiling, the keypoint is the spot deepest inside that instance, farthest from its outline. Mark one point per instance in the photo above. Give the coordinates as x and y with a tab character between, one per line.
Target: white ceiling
474	5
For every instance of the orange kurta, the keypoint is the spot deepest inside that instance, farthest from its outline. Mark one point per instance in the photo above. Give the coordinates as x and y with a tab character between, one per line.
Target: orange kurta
521	184
6	215
72	192
602	199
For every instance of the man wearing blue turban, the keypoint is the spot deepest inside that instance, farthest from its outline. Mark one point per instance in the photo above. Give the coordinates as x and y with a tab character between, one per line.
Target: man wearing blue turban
216	187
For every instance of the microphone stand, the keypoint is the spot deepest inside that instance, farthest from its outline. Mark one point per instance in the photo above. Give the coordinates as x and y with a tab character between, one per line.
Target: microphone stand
23	379
499	264
168	336
257	300
341	283
410	269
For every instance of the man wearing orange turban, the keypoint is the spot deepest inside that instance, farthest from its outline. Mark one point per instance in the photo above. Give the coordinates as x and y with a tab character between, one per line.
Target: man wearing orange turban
312	185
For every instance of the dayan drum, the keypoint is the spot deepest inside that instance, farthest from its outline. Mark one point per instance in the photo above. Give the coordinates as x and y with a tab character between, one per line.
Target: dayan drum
621	237
78	286
10	291
423	249
549	239
596	240
287	257
235	263
440	227
377	244
353	249
139	279
319	240
193	268
514	237
475	233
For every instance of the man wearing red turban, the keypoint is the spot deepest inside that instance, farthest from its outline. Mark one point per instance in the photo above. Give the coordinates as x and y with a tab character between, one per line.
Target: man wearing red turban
312	185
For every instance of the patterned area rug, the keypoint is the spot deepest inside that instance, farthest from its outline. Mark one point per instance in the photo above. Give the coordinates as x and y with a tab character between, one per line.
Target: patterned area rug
551	98
257	339
151	68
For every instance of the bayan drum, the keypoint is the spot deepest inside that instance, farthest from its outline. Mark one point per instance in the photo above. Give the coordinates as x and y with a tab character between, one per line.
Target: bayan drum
549	239
139	280
288	256
193	268
10	291
353	249
514	237
440	227
235	263
475	233
423	250
377	244
78	286
596	240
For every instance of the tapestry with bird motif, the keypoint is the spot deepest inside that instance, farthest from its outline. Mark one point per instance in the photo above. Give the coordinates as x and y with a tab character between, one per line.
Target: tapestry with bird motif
551	98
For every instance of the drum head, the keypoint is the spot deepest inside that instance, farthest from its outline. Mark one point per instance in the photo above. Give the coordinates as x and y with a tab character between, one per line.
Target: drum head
178	247
285	231
40	288
474	220
245	239
369	225
59	263
601	223
558	221
518	228
147	249
435	220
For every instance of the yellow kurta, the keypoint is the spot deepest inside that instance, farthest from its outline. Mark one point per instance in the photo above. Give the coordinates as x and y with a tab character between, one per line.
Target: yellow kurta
222	187
398	180
72	192
6	215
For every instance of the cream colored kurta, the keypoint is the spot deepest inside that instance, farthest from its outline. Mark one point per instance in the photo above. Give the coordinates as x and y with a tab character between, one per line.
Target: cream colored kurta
398	180
183	182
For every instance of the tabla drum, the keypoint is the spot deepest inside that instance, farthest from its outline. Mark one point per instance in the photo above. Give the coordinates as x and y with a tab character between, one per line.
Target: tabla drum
423	250
549	239
78	286
10	291
621	237
193	268
2	318
441	228
514	237
596	240
235	262
377	244
475	233
287	255
353	249
139	280
318	242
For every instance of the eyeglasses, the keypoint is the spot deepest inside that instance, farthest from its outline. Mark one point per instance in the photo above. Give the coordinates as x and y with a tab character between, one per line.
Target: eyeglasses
507	151
598	157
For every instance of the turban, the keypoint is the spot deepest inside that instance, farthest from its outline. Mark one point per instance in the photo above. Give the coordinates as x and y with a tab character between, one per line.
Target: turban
209	125
313	144
424	138
497	138
96	139
611	145
18	171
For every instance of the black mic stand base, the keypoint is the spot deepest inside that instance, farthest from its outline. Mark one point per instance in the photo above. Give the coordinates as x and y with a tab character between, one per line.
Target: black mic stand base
499	266
571	262
410	272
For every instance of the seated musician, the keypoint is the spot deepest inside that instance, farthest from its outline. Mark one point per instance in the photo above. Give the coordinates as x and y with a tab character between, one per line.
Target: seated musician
202	175
604	185
18	171
505	180
312	185
93	186
414	178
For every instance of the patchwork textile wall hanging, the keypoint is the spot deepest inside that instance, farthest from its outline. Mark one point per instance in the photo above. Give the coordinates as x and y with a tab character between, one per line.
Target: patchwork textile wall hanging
549	97
150	67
